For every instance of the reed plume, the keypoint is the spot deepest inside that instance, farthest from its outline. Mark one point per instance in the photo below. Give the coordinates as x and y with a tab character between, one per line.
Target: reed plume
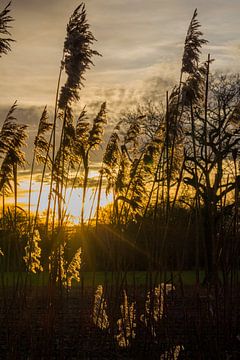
111	160
8	130
76	59
82	132
77	55
192	47
6	40
88	140
127	323
99	316
12	139
33	251
154	306
40	142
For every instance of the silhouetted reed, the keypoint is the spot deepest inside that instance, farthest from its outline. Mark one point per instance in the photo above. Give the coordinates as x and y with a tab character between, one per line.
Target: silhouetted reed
157	270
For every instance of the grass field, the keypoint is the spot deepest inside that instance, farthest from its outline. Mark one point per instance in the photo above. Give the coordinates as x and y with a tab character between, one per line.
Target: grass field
100	277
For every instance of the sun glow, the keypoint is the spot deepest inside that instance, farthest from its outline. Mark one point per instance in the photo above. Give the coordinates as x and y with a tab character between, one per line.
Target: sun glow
72	199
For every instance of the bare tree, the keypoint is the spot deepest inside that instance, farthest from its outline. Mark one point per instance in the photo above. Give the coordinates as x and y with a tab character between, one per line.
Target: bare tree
208	164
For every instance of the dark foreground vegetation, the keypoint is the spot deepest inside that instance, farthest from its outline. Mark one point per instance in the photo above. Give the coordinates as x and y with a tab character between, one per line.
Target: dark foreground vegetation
173	172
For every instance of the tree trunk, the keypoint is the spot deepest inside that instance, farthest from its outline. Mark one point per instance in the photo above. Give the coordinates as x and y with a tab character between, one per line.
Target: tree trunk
209	217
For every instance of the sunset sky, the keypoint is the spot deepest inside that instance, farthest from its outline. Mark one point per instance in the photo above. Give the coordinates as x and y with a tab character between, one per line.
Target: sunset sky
141	43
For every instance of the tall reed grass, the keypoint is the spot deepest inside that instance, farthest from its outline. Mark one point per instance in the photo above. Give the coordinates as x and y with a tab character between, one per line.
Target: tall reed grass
173	171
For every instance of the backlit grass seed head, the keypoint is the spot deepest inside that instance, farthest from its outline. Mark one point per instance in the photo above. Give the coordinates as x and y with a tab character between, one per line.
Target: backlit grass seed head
154	305
127	323
73	269
65	271
33	253
57	264
172	354
99	316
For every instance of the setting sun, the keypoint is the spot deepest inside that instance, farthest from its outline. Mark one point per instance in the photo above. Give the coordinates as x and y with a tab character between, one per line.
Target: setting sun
73	199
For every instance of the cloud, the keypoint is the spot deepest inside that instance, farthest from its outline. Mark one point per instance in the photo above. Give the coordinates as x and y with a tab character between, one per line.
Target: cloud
133	36
141	42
